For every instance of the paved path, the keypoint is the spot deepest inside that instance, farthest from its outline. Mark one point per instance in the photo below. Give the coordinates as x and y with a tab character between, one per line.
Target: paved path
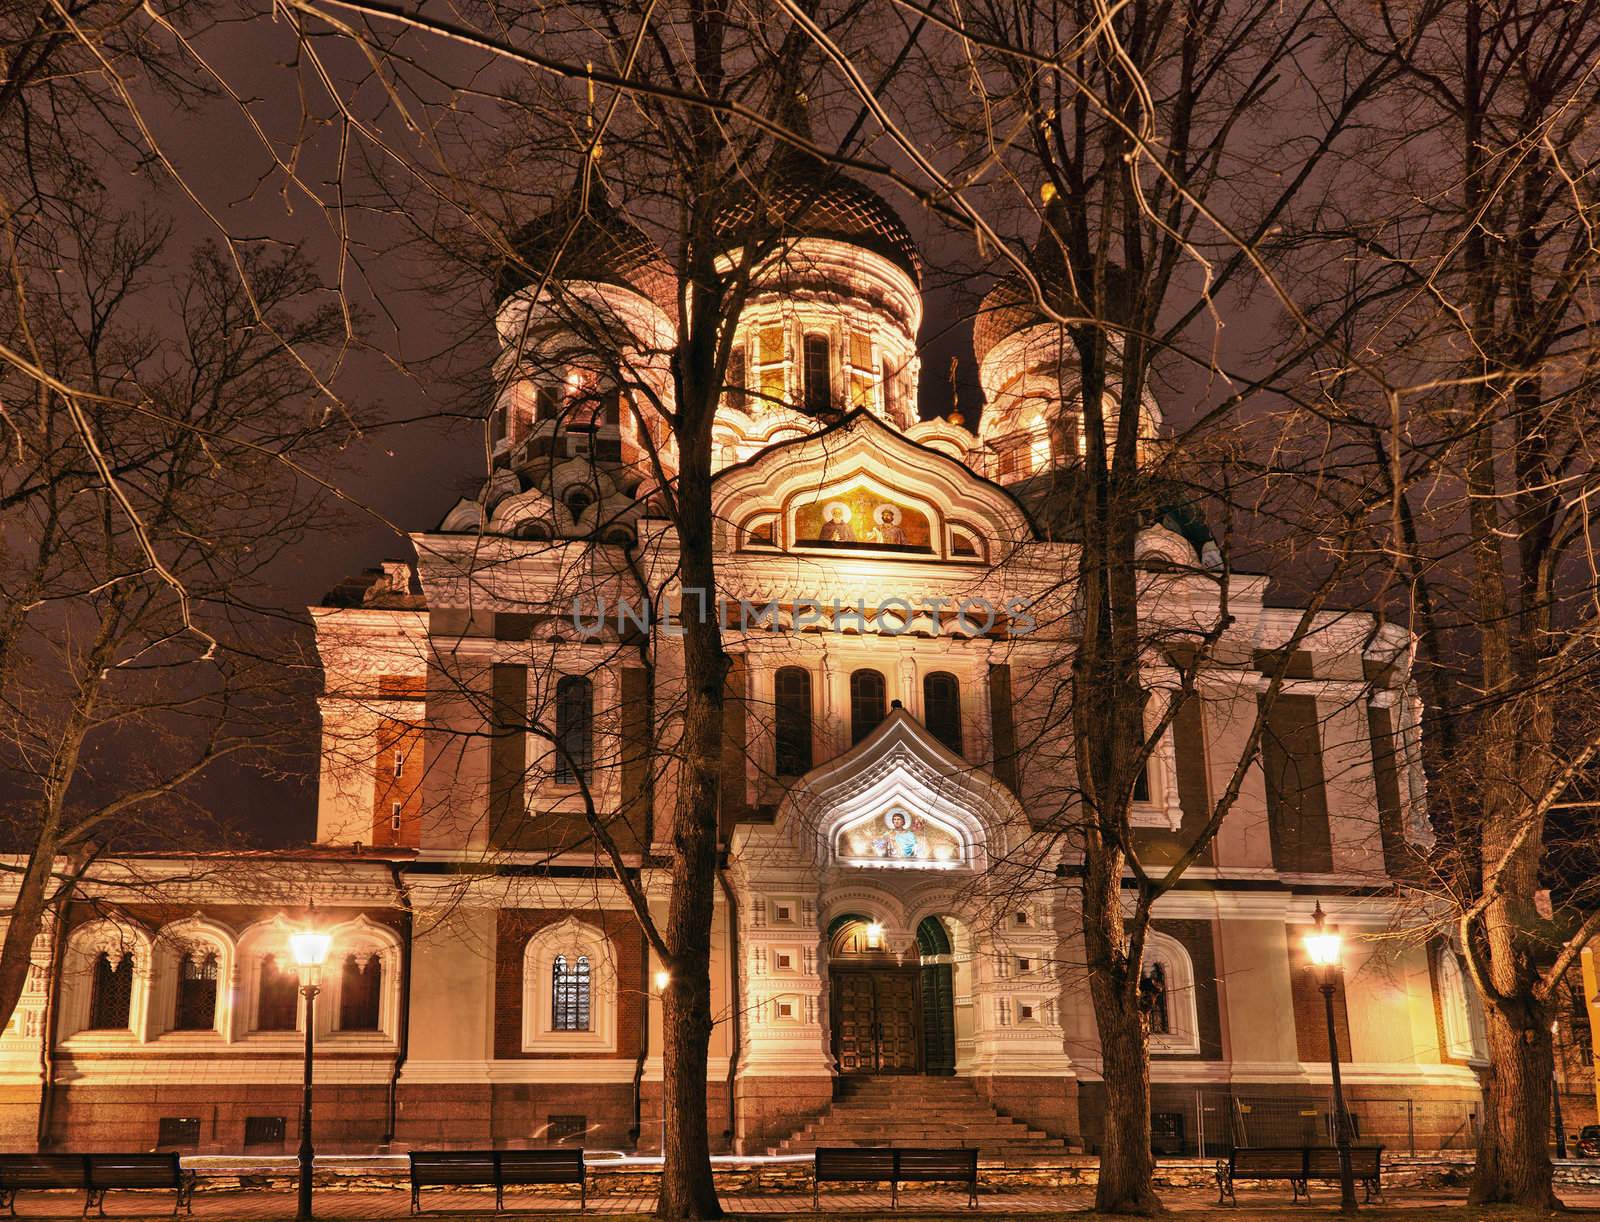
336	1204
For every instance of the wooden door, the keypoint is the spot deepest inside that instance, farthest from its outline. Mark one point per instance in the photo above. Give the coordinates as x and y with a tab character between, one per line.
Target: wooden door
877	1021
899	1025
854	1023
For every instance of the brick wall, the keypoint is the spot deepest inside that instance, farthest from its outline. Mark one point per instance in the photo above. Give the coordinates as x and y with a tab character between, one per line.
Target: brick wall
514	926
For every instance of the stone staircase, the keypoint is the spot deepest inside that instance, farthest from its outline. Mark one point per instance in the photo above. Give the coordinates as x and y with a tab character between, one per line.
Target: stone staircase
920	1111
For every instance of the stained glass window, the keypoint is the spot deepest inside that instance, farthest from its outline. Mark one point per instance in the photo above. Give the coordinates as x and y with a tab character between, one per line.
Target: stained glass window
111	993
569	994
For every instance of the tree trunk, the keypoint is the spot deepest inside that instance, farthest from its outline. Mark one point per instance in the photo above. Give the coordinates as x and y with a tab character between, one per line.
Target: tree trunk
1127	1166
1513	1151
26	919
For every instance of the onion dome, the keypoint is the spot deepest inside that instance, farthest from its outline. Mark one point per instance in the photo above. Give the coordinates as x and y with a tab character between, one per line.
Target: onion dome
1010	305
604	248
810	200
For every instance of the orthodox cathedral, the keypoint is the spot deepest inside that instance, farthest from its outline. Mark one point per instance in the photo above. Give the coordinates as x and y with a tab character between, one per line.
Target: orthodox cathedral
895	952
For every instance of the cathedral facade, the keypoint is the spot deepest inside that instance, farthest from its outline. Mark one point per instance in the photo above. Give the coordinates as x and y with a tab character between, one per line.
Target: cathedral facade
895	889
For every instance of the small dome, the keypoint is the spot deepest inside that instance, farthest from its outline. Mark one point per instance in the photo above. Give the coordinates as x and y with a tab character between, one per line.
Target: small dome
605	248
813	201
1010	307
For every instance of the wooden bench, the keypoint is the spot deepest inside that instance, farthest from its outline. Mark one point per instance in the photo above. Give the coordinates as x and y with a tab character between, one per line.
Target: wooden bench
498	1169
138	1172
24	1171
896	1165
1299	1165
96	1174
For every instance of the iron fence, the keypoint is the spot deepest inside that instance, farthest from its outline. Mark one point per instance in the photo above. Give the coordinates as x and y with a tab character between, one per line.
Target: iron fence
1201	1122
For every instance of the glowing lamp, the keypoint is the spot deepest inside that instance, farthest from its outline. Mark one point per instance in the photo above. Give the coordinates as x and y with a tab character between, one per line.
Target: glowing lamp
874	934
310	947
663	979
1323	942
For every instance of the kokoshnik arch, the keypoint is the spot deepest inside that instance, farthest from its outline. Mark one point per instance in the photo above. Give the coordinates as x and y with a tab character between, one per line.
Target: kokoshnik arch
884	784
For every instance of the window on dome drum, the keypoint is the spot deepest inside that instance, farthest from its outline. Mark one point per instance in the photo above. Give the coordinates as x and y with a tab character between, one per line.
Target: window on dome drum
867	691
545	404
774	366
278	998
818	374
735	395
196	1007
792	720
111	991
1153	996
569	993
1064	439
611	409
360	992
862	371
941	708
574	729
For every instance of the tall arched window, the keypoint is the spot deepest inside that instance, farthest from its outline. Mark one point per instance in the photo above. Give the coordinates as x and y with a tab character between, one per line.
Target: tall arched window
111	991
278	1000
818	374
792	720
941	708
360	993
574	729
196	1005
1167	989
569	993
867	692
1460	1031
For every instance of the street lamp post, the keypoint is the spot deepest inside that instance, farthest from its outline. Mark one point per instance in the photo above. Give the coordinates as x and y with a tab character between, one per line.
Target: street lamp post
663	979
1555	1091
1323	946
310	949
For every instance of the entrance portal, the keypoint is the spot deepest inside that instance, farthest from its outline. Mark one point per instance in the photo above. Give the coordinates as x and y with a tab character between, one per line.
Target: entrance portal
889	1017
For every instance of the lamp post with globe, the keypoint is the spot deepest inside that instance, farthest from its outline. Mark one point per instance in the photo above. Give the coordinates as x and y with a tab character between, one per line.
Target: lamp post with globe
310	950
1323	945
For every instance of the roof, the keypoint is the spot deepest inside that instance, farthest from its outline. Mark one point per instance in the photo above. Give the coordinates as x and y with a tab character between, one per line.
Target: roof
604	247
808	199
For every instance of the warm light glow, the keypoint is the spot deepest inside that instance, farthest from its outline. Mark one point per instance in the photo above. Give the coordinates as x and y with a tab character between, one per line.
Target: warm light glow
1323	943
874	934
310	947
663	979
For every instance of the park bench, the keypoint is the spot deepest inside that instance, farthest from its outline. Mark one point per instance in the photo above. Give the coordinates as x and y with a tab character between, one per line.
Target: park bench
499	1169
96	1174
1299	1165
897	1165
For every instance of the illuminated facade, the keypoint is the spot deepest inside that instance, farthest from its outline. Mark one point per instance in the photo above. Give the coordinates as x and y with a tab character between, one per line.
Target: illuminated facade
891	899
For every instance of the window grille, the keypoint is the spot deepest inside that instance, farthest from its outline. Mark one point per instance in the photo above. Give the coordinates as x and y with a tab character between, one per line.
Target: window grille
277	1002
178	1131
569	994
1153	995
196	1007
263	1131
736	395
111	992
360	992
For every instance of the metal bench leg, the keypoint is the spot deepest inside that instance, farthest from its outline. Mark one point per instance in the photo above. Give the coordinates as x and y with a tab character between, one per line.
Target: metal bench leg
894	1194
8	1200
816	1206
499	1197
583	1195
416	1206
972	1193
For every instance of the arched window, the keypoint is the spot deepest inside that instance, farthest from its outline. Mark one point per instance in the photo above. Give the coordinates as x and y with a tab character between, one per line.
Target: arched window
569	990
196	1006
1167	989
360	992
278	1002
867	710
792	721
569	993
1460	1031
941	708
111	991
818	374
574	729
